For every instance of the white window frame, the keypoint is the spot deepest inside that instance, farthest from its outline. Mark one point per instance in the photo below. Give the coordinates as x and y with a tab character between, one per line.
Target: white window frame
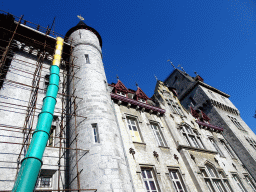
191	136
176	108
239	183
250	182
236	123
251	141
176	180
215	145
131	128
215	181
39	183
146	180
228	149
158	134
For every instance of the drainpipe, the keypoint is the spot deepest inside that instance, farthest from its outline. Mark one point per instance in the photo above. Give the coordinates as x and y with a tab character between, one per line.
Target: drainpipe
31	164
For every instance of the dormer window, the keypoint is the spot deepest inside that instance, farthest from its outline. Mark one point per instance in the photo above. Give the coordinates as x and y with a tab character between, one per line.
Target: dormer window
121	93
141	100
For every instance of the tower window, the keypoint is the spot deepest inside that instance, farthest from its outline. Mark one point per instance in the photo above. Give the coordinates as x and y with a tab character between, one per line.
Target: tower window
192	101
87	61
53	131
211	94
95	133
175	79
46	81
236	123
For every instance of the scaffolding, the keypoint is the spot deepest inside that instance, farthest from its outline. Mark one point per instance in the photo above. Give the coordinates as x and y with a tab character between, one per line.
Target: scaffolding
32	39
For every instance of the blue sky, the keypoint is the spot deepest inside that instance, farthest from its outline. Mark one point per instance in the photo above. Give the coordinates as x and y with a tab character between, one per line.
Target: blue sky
214	38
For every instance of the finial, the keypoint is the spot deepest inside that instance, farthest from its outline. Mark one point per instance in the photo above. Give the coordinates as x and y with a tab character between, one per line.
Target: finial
117	77
80	17
137	85
156	77
195	72
171	64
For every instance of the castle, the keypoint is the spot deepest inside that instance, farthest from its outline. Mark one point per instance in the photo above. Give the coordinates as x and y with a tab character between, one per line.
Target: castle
188	137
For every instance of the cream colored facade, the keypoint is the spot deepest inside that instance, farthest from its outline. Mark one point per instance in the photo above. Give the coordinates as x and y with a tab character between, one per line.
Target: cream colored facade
188	160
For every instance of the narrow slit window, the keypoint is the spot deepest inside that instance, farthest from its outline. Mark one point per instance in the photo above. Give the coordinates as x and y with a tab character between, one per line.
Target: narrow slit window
95	133
87	59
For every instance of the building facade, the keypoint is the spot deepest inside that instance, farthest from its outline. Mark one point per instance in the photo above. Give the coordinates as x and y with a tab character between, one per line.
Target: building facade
107	137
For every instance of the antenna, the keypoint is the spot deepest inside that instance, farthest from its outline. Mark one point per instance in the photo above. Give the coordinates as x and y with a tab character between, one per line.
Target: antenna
171	64
156	77
80	17
183	69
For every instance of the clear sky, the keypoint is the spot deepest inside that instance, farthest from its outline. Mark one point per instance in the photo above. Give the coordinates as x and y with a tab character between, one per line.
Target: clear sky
214	38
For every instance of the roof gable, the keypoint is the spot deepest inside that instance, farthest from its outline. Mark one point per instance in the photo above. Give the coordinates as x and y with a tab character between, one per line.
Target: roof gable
121	87
140	94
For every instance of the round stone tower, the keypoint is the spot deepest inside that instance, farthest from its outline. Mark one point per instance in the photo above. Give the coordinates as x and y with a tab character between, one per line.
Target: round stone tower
104	167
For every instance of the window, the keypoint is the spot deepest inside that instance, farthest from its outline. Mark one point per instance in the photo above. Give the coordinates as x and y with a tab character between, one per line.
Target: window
134	131
149	180
46	82
176	108
158	135
238	183
216	182
87	61
230	152
44	182
53	131
95	133
237	124
52	136
193	102
121	93
251	142
191	137
216	147
177	181
142	100
249	181
175	79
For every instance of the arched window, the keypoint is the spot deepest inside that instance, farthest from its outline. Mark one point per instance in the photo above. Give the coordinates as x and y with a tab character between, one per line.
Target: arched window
215	181
191	137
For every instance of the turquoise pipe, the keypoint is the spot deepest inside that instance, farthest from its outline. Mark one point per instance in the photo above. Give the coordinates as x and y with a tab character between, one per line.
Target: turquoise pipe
31	164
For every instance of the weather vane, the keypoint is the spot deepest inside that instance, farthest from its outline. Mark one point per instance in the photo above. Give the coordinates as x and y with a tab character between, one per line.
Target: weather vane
80	17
